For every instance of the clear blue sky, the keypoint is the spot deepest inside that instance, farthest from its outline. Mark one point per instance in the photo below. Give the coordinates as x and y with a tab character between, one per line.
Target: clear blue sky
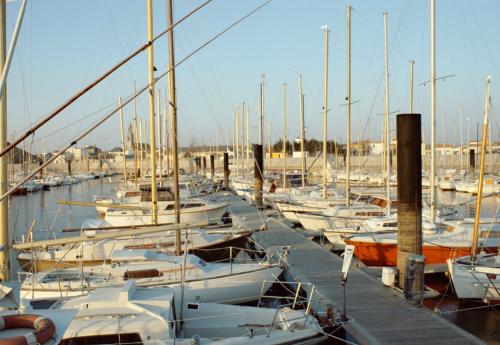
65	44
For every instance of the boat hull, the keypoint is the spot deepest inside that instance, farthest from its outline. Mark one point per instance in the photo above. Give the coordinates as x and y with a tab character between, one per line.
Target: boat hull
385	254
219	251
236	288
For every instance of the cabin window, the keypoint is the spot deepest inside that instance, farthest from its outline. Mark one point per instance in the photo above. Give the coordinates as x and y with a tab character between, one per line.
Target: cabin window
123	338
193	306
390	225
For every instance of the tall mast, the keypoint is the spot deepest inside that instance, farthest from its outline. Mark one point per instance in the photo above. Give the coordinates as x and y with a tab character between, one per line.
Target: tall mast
490	151
234	137
433	111
461	140
411	85
173	112
387	119
325	104
261	121
243	140
475	234
160	144
152	139
135	137
141	148
284	136
301	110
270	143
165	138
348	106
123	142
4	187
444	142
247	143
237	113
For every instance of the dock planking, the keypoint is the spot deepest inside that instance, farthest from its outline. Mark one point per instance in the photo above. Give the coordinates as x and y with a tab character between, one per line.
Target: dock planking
379	315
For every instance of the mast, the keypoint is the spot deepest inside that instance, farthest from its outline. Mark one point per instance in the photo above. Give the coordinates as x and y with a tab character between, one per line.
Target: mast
475	234
237	114
433	111
461	140
165	146
490	151
234	137
348	121
411	85
123	142
247	143
261	122
160	145
141	148
269	148
4	186
387	119
301	110
173	112
243	140
135	136
152	139
444	143
284	136
325	104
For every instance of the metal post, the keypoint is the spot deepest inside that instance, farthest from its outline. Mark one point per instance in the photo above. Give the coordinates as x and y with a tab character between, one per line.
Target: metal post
409	165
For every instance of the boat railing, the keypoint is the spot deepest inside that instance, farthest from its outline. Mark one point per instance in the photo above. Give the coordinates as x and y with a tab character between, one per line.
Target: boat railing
312	302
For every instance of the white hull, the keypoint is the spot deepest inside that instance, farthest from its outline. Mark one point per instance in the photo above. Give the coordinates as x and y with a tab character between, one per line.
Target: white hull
210	213
238	288
474	281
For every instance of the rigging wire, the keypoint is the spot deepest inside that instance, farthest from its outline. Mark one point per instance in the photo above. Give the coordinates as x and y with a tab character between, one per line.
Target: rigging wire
131	98
90	86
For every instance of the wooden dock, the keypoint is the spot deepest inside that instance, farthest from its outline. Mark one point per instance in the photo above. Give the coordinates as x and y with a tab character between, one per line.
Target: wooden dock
380	315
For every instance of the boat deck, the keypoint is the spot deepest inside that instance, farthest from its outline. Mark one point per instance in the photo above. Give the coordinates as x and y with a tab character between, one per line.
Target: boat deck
380	315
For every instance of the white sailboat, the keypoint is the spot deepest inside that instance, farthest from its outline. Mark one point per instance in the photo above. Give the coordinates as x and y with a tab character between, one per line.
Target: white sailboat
132	315
208	282
477	276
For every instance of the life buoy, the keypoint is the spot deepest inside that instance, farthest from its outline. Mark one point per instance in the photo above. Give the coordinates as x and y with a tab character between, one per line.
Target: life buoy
44	329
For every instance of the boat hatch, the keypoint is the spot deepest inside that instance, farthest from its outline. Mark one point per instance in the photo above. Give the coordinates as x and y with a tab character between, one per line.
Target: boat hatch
150	273
122	338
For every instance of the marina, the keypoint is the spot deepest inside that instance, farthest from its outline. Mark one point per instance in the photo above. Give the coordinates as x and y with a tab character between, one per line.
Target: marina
178	172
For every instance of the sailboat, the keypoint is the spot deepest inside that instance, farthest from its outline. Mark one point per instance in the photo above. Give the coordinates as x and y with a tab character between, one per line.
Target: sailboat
134	315
477	276
91	250
209	282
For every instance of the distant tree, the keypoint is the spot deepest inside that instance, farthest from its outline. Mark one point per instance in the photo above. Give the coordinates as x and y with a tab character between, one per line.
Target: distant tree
278	146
